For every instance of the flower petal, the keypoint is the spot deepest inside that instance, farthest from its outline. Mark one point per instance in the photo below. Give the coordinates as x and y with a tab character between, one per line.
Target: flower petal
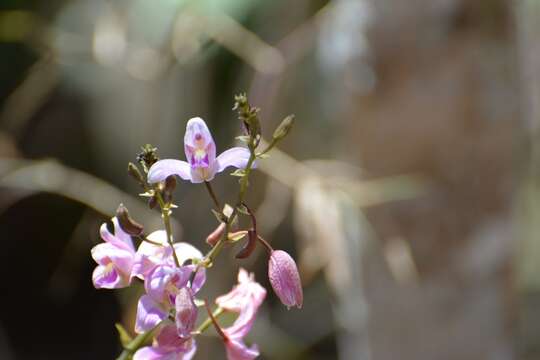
199	145
122	237
165	168
149	256
106	277
163	280
236	156
149	314
237	350
247	294
185	251
152	353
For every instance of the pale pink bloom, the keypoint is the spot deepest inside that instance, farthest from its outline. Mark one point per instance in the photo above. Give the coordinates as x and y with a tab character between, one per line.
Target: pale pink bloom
114	258
285	280
248	293
245	299
168	346
202	163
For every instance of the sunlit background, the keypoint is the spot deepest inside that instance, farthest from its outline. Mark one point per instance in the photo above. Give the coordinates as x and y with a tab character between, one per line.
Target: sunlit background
409	188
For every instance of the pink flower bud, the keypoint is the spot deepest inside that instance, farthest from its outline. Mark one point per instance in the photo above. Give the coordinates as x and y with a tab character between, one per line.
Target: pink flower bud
186	313
283	275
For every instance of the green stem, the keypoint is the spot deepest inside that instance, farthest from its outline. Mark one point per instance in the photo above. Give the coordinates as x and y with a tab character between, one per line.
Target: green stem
165	214
213	195
206	323
135	344
214	252
144	238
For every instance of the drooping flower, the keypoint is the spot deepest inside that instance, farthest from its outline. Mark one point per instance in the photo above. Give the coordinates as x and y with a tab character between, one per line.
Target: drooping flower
285	280
168	346
114	257
245	299
202	163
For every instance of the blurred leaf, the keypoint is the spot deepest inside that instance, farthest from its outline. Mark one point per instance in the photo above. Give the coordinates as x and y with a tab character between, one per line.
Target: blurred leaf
123	335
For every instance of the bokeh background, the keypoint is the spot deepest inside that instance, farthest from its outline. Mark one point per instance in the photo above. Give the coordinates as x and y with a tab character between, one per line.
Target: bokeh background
409	189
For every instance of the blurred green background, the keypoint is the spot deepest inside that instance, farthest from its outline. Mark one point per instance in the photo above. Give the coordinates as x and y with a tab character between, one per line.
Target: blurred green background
408	189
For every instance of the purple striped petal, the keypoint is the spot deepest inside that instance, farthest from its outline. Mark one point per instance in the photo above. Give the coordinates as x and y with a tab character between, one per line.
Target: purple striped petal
165	168
106	277
199	145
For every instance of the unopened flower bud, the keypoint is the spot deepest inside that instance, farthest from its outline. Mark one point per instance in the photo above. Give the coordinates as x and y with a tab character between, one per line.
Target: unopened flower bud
249	246
134	172
127	224
214	237
170	184
152	202
168	189
285	280
147	157
284	128
186	313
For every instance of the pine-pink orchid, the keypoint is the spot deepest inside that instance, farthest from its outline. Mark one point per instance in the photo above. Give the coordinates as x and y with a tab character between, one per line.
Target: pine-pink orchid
284	278
114	257
202	163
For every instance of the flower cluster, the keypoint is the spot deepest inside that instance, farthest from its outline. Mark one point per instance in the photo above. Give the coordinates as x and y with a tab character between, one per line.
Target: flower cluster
173	272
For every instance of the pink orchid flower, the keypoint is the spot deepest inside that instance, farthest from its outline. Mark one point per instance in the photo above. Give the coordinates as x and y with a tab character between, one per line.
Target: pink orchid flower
284	278
163	281
150	255
168	346
114	258
163	285
245	299
202	163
